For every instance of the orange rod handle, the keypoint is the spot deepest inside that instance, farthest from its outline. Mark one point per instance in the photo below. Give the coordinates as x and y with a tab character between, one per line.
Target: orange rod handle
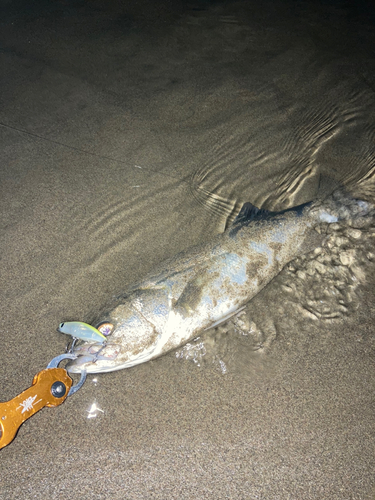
50	387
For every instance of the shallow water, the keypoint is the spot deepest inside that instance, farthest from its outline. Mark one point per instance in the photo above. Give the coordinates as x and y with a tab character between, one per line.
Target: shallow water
131	133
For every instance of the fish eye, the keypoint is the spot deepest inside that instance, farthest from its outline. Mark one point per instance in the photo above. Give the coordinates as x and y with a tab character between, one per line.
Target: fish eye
61	325
105	328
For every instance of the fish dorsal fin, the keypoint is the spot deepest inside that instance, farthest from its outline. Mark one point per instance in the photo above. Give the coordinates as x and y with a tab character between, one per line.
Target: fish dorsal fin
251	212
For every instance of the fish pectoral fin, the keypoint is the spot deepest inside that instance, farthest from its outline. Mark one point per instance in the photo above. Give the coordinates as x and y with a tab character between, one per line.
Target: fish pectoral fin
225	318
194	293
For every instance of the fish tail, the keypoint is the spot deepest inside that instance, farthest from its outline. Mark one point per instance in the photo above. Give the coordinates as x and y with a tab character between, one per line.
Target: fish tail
338	201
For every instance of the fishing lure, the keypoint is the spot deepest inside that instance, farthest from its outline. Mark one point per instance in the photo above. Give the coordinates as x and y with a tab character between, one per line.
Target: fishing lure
82	331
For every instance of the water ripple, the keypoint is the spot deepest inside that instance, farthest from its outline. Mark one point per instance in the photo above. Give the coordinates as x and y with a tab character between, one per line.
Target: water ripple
282	146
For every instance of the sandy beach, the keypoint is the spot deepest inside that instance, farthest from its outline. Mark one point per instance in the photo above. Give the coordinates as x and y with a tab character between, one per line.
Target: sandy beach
132	131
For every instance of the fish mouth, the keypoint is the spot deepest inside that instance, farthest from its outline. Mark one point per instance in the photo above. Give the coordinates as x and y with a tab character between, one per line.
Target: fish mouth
94	358
104	358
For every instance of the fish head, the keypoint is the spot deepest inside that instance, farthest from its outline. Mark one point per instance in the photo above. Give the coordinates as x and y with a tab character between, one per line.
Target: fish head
130	340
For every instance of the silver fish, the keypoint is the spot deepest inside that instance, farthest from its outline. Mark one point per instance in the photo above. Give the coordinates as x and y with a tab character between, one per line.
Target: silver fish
207	284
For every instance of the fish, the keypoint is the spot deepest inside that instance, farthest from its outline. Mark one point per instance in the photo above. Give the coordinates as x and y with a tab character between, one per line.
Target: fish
207	284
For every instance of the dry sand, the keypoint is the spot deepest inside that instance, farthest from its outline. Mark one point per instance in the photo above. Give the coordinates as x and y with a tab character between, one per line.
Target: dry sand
130	133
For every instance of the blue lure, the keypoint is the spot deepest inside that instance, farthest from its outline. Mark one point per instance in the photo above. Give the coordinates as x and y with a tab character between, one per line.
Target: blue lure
82	331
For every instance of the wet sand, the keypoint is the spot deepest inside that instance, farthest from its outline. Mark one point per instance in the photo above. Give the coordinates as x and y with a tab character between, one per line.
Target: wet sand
129	134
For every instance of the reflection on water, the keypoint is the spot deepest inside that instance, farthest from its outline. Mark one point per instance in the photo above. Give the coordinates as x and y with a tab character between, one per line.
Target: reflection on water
94	410
272	151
